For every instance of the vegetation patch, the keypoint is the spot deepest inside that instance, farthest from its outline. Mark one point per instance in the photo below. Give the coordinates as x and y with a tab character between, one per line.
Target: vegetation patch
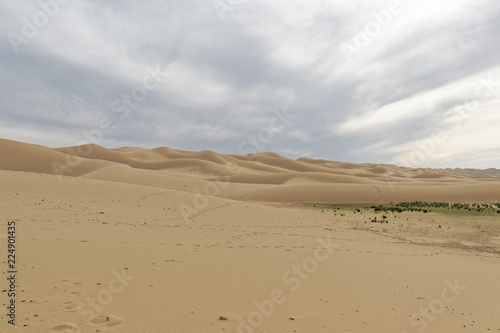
475	209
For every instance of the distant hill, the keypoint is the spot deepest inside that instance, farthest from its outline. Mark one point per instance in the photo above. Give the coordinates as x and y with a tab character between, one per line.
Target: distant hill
488	173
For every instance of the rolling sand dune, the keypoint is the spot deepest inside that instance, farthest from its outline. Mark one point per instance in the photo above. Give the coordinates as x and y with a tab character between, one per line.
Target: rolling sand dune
164	240
302	180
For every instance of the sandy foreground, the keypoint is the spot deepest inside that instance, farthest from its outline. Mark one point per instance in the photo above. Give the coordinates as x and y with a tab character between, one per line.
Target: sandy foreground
138	240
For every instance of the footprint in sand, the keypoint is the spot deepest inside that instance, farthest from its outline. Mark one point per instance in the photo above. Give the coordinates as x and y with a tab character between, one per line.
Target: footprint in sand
71	307
67	328
106	321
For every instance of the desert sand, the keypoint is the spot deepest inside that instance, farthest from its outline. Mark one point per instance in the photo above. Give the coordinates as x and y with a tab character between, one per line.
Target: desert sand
163	240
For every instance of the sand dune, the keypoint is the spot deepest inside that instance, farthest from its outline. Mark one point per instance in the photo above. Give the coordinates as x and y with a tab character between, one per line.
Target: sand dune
288	180
164	240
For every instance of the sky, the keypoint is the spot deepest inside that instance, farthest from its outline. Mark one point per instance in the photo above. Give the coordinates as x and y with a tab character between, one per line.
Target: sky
401	82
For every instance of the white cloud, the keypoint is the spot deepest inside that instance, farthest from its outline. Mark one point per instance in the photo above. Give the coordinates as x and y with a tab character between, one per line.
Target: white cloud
419	105
469	141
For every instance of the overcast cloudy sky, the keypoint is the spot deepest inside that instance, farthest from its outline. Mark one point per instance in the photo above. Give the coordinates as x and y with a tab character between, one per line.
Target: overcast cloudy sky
411	82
